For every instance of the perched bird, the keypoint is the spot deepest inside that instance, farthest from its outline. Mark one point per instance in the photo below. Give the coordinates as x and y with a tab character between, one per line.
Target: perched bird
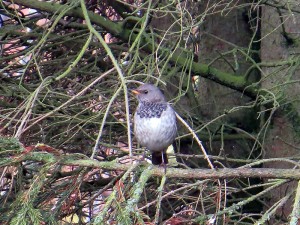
154	122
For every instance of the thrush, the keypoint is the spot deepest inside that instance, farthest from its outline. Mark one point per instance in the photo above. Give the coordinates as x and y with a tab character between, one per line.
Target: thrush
154	122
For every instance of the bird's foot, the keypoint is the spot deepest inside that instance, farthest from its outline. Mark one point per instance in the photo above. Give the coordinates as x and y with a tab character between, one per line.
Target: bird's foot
164	166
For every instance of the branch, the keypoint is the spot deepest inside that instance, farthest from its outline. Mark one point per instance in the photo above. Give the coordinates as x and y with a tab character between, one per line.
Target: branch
158	171
180	58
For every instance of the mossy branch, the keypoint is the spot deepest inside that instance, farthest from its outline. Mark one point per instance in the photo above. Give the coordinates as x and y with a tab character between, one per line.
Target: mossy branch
236	82
155	170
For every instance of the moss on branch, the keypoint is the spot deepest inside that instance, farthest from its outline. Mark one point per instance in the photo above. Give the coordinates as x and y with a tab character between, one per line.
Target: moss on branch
83	161
236	82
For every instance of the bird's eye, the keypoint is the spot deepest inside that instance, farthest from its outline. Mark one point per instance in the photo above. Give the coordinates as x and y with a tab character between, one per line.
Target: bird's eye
145	92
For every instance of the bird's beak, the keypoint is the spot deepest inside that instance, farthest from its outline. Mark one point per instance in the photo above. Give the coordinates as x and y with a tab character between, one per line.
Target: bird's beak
136	92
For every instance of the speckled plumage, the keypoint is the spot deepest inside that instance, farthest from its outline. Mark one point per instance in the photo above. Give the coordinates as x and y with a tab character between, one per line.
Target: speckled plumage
151	109
154	121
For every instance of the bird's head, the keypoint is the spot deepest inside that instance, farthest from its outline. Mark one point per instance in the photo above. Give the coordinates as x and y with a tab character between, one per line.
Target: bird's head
149	93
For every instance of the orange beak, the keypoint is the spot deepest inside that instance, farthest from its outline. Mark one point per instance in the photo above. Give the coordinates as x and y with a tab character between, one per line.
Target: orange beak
135	92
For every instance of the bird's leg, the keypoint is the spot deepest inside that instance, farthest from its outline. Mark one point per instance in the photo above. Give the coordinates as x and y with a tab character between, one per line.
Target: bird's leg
164	160
143	155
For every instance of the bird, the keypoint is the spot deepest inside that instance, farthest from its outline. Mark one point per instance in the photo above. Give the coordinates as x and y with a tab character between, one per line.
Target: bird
154	122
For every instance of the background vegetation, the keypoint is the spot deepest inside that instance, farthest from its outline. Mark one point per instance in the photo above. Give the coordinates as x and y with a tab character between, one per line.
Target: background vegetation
229	68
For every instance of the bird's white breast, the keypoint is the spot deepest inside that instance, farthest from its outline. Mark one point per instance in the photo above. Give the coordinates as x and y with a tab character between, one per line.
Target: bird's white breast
154	133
